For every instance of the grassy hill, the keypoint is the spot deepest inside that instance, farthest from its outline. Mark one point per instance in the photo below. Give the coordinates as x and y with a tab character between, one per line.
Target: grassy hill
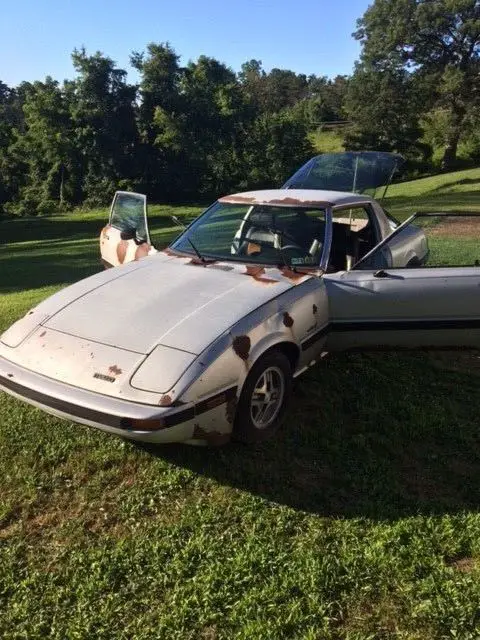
360	520
457	191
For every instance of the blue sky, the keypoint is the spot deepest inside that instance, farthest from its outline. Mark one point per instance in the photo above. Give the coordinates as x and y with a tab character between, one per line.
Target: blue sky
312	36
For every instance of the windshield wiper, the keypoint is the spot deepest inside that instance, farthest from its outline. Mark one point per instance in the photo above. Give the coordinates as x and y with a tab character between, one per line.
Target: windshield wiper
197	252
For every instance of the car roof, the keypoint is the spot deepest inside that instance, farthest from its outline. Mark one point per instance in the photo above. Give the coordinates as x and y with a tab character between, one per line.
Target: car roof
296	198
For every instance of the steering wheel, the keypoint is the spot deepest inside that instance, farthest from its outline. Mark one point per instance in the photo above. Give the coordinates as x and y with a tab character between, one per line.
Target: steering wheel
292	246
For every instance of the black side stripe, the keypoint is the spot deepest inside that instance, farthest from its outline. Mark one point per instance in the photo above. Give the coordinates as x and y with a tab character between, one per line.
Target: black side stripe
390	325
117	421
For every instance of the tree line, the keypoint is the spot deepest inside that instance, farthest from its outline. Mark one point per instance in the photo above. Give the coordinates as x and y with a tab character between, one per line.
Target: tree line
193	132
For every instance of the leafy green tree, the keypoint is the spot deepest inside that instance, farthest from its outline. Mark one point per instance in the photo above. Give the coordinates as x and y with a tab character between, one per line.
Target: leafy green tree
159	117
437	41
43	149
8	177
103	111
275	147
384	108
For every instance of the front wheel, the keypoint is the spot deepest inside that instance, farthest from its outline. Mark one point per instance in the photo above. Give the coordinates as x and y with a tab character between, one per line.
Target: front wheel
264	398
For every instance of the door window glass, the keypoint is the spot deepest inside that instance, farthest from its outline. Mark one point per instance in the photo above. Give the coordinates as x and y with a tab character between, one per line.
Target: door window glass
129	215
430	240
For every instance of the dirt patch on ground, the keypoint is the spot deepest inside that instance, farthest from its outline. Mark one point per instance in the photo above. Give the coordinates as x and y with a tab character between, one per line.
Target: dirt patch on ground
464	565
457	228
462	361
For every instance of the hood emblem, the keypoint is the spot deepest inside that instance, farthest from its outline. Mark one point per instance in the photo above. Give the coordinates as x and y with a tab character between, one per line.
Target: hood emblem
102	376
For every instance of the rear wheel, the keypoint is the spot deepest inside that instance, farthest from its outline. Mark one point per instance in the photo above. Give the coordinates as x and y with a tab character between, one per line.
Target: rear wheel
264	398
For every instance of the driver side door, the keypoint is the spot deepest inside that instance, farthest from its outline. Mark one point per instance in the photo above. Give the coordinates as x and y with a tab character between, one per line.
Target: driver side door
431	305
126	236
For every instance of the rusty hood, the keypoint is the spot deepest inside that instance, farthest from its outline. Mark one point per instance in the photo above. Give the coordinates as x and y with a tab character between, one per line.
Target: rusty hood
165	300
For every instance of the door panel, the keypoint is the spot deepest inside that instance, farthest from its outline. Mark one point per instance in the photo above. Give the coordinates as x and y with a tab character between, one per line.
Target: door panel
126	237
427	307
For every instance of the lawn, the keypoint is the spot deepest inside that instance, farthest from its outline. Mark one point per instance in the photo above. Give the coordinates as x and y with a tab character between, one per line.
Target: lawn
457	191
360	521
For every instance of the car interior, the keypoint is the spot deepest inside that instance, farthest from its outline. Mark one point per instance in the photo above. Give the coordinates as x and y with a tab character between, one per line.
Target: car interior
300	235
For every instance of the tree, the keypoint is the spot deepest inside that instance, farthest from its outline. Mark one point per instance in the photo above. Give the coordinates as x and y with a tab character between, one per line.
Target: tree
384	108
9	175
438	41
102	106
43	148
275	147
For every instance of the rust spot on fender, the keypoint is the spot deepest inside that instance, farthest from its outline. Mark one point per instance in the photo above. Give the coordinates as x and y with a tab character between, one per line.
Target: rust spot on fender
165	401
212	438
42	334
288	320
114	370
142	251
122	250
241	345
104	231
315	309
258	274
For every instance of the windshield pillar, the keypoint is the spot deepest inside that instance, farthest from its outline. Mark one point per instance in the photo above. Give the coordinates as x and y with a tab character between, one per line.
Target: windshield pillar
327	242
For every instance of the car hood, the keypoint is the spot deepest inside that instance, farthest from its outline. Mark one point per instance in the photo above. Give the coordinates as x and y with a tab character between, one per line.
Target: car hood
167	300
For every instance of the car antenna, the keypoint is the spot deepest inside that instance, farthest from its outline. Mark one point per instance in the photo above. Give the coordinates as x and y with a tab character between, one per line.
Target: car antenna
181	224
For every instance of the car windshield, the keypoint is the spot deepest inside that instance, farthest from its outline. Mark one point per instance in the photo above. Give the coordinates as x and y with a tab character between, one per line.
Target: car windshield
359	172
261	234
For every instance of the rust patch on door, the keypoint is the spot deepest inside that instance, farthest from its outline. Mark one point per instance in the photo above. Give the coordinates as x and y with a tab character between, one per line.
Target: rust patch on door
142	251
114	370
315	309
241	345
288	321
122	250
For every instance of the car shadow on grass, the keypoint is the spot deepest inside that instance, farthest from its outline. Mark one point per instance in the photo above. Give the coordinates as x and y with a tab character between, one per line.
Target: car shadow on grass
368	435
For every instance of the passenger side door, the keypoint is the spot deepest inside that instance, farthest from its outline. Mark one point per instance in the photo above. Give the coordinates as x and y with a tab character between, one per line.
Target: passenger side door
126	236
434	304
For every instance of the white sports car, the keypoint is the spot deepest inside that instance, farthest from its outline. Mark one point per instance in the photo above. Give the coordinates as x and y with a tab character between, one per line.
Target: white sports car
201	341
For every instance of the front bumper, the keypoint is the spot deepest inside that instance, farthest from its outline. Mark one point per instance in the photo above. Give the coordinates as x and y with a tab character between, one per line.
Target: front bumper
120	417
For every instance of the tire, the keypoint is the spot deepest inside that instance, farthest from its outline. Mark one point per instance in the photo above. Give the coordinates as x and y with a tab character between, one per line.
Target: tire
257	420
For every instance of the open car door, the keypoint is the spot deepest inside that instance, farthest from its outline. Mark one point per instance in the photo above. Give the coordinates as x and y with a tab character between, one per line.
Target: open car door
126	236
397	297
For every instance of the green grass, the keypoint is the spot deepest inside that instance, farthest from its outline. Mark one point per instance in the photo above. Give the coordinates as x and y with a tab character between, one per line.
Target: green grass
360	521
457	191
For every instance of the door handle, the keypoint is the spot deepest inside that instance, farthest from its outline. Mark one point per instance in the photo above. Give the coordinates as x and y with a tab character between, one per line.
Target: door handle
381	273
